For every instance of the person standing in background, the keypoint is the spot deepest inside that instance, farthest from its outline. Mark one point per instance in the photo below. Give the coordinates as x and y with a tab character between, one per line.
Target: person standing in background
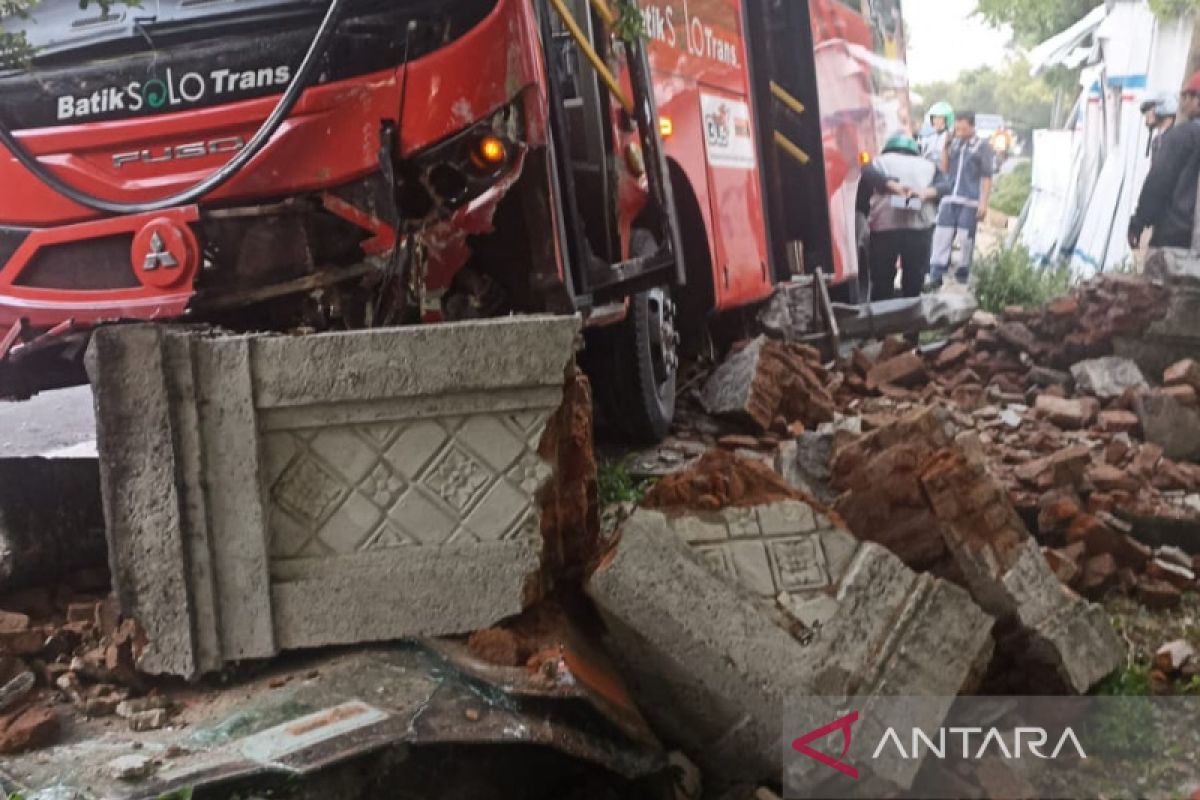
1168	200
968	164
902	226
933	142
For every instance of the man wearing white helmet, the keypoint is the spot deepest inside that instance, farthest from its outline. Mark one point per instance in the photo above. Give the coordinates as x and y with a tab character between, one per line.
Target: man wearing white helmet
1165	112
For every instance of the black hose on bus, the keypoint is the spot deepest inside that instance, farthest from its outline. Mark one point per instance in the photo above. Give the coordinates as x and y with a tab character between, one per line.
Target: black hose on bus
219	178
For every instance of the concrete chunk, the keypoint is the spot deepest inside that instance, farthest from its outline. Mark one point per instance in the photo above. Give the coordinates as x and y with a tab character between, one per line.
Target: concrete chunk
721	618
1108	378
267	492
1169	424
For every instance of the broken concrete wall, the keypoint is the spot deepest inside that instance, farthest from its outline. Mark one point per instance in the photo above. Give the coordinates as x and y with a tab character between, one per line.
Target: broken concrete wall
721	618
263	493
916	488
50	519
1006	573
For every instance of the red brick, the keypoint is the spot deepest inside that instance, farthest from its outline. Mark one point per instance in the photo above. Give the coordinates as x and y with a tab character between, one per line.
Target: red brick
861	363
1099	575
1056	513
738	442
1069	414
1184	373
28	729
1111	479
1065	306
968	397
1181	578
12	621
1146	460
24	643
906	370
1115	453
893	346
1116	420
952	356
1158	595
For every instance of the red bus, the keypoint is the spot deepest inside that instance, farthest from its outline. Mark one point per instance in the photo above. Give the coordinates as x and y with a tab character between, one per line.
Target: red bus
308	164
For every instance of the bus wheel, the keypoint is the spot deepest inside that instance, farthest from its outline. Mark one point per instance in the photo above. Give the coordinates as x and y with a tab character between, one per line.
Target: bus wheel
633	364
643	367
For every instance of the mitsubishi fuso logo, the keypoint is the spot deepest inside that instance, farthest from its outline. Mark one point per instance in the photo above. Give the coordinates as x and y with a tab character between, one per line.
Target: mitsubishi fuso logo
158	256
162	155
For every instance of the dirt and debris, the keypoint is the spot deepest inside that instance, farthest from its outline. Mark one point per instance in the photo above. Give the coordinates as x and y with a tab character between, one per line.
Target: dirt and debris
721	480
64	651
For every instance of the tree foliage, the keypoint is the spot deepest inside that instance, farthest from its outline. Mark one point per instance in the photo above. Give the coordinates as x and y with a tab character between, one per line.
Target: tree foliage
1034	21
14	48
1007	90
1174	8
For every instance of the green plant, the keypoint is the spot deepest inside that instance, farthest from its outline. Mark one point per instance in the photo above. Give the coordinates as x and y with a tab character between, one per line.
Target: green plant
1010	277
1133	681
1174	8
631	24
616	485
1013	190
179	794
15	50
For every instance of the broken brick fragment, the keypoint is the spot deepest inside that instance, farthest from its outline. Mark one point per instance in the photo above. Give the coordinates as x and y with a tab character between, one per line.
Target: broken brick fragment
766	379
1110	479
28	729
1018	336
906	370
11	621
1158	595
1183	373
1098	576
952	356
1116	420
1181	578
1008	575
1056	511
879	477
726	480
1068	414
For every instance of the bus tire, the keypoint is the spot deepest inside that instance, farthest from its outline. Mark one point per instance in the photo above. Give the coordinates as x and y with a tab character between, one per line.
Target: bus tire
634	363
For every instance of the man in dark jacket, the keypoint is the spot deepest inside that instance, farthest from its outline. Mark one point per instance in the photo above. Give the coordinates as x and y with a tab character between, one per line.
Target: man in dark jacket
1168	201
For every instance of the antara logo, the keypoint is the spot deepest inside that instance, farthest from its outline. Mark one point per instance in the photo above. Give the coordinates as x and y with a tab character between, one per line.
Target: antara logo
954	743
160	155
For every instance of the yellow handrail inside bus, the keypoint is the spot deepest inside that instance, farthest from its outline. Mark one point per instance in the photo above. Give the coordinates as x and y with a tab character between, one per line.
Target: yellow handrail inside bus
782	96
606	13
789	147
598	64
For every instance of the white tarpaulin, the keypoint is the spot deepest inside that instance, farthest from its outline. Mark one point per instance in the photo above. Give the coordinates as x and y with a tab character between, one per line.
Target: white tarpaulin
1052	173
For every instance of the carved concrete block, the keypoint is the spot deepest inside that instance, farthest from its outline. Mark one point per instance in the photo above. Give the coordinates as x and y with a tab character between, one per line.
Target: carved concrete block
721	619
264	493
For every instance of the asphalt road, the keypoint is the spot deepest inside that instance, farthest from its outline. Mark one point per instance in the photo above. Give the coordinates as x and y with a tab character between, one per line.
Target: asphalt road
57	423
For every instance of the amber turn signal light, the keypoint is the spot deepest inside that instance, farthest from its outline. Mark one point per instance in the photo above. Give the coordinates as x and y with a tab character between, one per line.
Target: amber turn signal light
489	153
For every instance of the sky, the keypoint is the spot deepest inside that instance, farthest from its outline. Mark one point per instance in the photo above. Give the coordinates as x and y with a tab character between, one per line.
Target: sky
946	40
